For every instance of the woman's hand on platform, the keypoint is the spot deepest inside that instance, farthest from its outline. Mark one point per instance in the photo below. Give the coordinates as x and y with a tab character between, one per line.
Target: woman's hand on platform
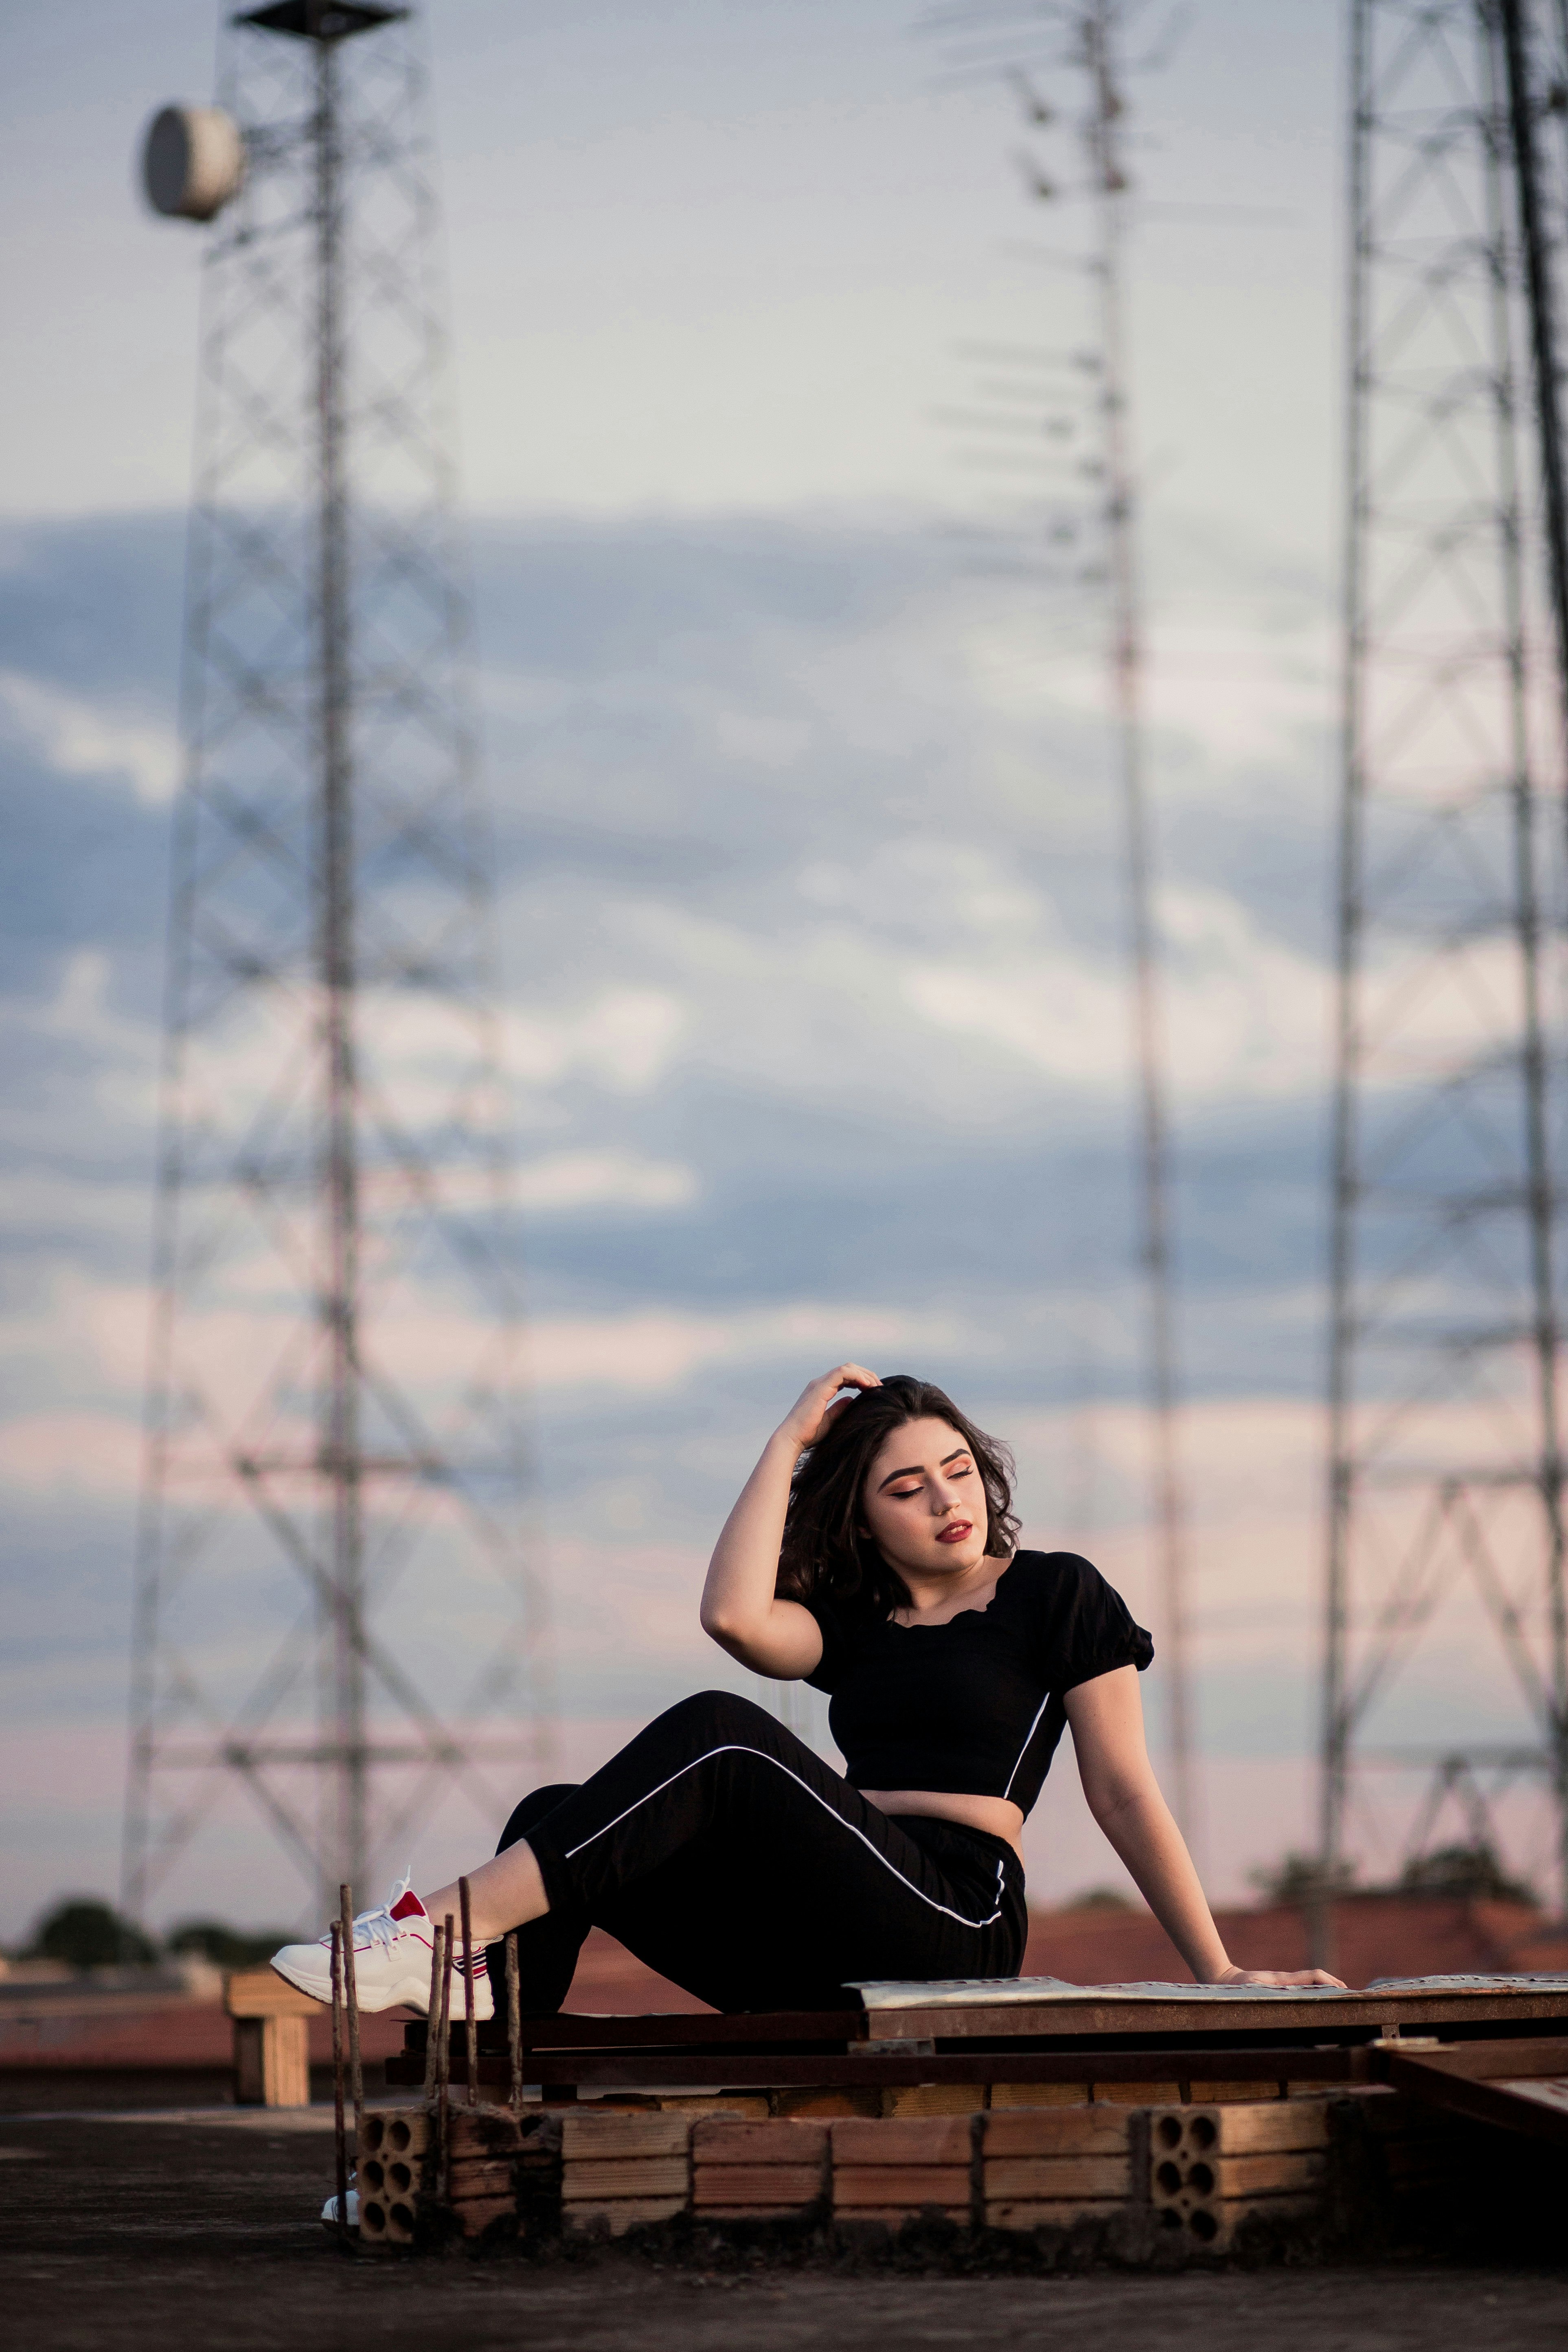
813	1410
1283	1979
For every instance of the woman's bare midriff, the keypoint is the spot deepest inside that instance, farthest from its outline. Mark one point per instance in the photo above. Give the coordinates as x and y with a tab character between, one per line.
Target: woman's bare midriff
995	1814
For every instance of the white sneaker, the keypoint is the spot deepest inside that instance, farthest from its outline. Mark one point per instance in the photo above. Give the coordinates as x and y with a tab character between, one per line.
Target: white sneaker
392	1961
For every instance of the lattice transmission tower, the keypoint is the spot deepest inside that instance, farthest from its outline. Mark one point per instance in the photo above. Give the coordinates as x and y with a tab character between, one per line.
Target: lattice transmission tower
1083	46
338	1609
1446	1647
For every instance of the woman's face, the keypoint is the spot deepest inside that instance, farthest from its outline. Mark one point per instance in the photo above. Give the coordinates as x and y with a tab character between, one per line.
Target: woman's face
924	1501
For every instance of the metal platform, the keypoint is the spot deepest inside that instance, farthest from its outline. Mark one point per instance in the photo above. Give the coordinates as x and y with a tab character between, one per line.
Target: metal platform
1111	2035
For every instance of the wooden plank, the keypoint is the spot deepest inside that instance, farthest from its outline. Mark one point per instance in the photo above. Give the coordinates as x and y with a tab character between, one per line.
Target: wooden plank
1057	2176
780	2185
1551	2092
1318	2014
595	2181
621	2214
1057	2131
587	2135
907	2185
696	2030
1491	2061
927	2139
1495	2101
1241	2092
777	2141
1136	2094
272	2061
261	1992
1041	2212
817	2078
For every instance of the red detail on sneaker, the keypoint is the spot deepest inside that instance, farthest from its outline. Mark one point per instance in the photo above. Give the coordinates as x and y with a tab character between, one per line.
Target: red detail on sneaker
410	1908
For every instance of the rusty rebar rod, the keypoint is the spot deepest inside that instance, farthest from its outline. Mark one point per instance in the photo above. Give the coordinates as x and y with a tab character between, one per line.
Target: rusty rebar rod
351	1996
444	2062
342	2153
432	2034
470	2026
514	2021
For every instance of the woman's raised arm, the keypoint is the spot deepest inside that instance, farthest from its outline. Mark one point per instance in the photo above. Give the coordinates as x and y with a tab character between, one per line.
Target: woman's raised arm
1106	1719
739	1609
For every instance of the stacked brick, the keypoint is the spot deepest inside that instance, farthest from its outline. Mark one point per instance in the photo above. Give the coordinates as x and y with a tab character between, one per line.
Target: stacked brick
1050	2167
619	2172
745	2172
1212	2166
899	2171
496	2172
1196	2170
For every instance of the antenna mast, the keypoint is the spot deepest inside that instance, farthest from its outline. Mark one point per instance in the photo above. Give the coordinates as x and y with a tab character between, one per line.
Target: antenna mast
1110	186
1445	1472
1085	37
334	1385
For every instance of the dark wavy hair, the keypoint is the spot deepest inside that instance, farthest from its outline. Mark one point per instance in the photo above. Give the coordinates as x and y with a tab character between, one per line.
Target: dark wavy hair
828	1548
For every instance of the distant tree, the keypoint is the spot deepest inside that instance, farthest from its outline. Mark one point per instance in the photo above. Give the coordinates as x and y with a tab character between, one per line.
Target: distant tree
227	1947
1466	1872
1099	1898
86	1934
1298	1878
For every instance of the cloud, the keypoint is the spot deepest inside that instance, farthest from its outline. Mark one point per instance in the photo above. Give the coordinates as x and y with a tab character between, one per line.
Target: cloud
70	1455
816	1015
569	1180
623	1037
80	738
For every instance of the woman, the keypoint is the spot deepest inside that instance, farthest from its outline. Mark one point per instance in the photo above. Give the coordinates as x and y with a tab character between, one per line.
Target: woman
871	1554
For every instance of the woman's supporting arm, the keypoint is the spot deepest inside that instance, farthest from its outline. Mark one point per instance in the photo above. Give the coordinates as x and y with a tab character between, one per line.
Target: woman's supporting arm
739	1608
1107	1720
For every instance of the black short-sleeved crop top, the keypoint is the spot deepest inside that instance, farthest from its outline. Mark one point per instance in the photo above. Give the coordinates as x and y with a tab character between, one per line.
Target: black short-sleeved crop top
973	1706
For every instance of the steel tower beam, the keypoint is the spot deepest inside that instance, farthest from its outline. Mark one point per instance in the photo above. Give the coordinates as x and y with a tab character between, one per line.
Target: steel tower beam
1088	39
1098	29
333	1390
1445	1462
1524	104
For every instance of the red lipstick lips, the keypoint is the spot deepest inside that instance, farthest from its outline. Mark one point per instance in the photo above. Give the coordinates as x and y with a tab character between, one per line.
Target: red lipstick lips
957	1531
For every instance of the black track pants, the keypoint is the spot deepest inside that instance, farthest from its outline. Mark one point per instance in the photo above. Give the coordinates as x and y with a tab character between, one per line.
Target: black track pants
724	1853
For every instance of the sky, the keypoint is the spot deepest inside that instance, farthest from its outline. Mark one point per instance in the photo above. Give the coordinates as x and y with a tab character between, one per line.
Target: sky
807	855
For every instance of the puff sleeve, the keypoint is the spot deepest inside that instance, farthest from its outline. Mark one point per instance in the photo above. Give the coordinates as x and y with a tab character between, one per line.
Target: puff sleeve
1089	1629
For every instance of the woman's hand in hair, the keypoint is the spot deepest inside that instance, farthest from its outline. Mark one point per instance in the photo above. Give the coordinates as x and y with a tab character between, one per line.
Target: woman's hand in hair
741	1605
815	1410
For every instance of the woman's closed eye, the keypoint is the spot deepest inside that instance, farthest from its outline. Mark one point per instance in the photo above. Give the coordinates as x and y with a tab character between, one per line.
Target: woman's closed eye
951	1469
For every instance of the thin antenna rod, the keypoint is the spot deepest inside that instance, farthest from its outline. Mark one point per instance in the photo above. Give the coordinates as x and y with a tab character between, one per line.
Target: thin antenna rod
1543	329
1127	665
339	1306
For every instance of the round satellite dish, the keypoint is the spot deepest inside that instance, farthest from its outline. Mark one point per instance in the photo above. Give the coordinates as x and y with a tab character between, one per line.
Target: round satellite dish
192	161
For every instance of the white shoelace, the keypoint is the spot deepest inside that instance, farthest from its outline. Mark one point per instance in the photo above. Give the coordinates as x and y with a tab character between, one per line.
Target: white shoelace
379	1927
